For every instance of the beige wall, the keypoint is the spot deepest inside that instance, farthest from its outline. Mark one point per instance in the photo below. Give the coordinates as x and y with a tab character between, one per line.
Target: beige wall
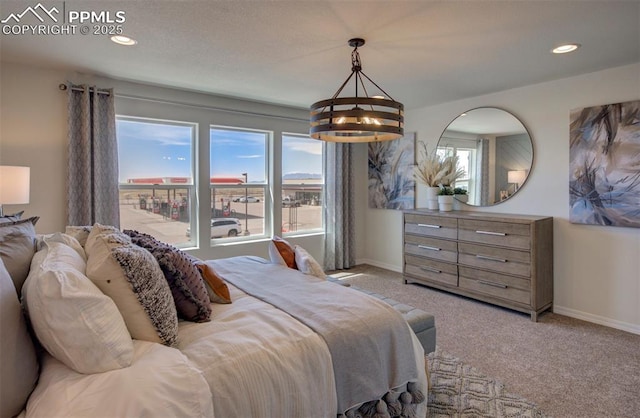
597	269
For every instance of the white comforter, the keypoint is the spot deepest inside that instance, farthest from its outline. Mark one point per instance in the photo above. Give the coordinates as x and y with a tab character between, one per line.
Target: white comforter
260	362
251	360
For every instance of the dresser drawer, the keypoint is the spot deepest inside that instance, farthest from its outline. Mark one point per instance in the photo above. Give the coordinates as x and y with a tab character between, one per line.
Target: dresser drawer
437	271
431	247
495	285
505	234
496	259
431	226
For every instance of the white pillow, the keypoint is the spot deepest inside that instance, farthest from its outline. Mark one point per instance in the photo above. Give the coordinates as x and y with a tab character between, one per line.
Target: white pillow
307	264
131	276
161	382
65	239
75	322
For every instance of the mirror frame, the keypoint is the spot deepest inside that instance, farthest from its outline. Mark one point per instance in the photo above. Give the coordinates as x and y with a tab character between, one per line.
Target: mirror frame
524	127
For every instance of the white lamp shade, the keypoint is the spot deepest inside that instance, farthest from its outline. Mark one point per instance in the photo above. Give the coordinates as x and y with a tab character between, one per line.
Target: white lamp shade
516	176
14	185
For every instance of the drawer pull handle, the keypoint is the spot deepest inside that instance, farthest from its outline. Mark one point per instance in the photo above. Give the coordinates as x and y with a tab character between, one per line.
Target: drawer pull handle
499	234
431	269
426	247
430	226
500	285
486	257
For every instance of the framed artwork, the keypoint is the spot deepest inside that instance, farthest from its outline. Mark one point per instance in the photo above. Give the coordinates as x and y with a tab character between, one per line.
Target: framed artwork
604	176
391	182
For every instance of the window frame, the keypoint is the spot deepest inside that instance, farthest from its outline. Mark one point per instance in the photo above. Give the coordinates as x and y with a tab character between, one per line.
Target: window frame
312	231
266	186
192	187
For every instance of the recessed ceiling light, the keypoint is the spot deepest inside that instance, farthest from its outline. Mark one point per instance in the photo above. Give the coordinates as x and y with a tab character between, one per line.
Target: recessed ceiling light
565	48
123	40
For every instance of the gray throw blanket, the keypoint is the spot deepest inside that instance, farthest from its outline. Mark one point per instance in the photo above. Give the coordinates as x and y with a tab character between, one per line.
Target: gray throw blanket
369	342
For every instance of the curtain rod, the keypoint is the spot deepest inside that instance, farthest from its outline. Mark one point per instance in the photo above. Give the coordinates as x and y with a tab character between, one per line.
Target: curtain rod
208	107
198	106
63	87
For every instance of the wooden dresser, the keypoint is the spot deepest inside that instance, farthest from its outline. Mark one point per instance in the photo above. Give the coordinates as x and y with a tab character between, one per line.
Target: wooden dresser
502	259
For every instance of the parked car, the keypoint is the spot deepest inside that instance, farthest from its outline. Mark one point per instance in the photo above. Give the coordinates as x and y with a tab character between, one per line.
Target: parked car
223	227
248	199
289	202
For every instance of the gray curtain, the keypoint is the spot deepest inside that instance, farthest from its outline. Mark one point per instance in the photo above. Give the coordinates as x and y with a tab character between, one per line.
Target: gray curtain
483	167
339	214
93	157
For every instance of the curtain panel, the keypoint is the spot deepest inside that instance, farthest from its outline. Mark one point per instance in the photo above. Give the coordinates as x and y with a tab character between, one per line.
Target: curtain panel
339	247
92	178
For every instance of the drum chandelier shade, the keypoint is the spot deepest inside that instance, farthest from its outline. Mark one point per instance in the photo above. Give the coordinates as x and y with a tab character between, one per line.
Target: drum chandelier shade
359	118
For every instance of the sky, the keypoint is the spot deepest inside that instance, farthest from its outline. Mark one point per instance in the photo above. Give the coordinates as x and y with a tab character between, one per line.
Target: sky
150	149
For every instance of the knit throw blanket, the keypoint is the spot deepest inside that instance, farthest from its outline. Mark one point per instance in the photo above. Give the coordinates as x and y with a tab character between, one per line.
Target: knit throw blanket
370	343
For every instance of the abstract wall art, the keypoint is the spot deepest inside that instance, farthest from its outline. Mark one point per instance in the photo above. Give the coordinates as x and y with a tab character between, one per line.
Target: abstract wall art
604	177
391	182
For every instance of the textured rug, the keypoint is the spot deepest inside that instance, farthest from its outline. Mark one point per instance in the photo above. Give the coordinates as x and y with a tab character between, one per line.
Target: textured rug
459	390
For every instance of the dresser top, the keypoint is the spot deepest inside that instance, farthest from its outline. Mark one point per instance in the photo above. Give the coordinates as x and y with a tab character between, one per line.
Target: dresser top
489	216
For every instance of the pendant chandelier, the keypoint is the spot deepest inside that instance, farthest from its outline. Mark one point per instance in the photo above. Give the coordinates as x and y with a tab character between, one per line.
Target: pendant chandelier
360	118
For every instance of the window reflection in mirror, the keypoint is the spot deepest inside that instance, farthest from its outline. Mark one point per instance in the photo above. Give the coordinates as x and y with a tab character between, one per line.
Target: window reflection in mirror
495	150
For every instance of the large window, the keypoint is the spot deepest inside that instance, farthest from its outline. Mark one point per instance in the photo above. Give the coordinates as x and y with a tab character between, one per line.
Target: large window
239	185
156	184
302	184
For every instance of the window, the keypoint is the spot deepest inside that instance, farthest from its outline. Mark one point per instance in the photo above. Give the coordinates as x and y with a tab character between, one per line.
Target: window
156	185
466	153
302	184
239	186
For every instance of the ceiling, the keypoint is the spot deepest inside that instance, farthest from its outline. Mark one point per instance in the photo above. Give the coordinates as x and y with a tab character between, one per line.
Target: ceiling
295	52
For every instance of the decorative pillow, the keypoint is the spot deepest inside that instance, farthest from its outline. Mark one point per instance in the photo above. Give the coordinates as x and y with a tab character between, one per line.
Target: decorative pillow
216	287
19	371
17	247
307	264
187	287
131	276
73	320
281	252
81	233
63	239
11	218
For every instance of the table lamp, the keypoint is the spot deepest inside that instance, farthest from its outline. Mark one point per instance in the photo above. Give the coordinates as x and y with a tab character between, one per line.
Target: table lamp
14	185
516	177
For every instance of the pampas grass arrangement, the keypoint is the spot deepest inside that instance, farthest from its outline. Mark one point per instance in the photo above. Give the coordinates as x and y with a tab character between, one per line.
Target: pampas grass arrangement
436	171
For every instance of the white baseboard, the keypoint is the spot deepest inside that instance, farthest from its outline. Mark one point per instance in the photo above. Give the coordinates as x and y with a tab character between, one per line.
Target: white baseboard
597	319
375	263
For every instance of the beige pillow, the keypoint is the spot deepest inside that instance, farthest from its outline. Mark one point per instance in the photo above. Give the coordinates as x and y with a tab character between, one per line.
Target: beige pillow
307	264
81	233
64	239
17	247
131	276
19	370
73	320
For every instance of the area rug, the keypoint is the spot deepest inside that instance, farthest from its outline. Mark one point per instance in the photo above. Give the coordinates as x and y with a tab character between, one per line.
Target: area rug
459	390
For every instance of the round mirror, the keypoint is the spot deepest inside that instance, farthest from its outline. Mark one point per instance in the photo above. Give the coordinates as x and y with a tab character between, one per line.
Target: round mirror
495	150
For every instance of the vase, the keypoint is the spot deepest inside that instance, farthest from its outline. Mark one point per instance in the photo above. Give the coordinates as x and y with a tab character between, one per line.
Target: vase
459	201
432	198
445	203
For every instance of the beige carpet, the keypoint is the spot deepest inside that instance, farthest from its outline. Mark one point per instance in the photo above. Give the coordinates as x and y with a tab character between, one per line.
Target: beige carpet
568	367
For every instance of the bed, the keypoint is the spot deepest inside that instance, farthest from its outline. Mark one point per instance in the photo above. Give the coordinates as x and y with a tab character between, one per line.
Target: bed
289	344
